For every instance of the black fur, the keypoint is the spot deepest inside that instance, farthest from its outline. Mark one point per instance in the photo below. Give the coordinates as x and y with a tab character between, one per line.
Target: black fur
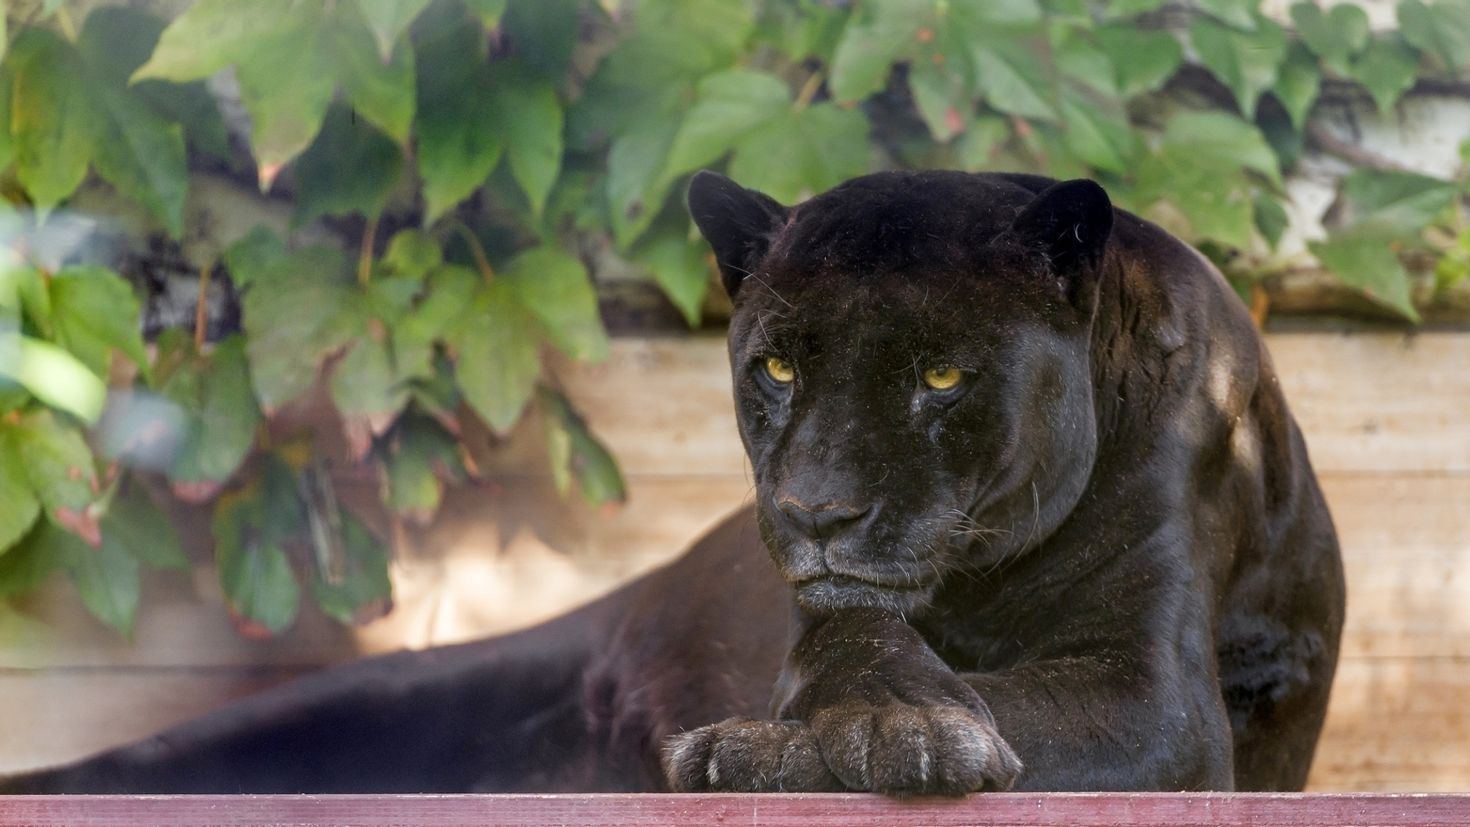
1099	561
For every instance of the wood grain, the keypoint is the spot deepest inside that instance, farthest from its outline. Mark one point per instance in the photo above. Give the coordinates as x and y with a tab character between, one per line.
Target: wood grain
1396	725
996	809
1387	417
1380	402
55	715
509	555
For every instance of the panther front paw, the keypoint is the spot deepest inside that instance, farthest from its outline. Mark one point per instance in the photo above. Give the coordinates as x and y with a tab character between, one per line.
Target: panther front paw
741	755
900	749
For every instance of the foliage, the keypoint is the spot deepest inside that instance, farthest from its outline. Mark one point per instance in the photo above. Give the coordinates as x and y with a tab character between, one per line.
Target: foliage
500	138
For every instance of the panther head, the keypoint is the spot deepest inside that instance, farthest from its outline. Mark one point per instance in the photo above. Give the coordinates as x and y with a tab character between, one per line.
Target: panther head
912	375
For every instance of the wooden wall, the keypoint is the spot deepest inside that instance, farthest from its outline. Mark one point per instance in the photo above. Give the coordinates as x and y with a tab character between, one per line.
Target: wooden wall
1387	418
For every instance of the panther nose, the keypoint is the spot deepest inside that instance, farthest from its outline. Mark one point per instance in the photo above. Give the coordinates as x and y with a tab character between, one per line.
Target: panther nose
821	521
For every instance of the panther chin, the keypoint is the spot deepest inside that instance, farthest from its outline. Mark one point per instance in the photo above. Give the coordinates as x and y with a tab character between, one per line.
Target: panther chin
832	593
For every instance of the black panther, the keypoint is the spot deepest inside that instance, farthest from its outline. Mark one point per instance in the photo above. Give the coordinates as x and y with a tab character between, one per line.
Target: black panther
1039	516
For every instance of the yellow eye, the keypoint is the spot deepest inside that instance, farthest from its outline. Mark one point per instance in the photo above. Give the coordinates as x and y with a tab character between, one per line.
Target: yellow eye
780	370
943	378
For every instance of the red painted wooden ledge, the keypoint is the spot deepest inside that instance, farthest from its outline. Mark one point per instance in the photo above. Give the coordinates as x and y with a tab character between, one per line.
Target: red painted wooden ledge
1000	810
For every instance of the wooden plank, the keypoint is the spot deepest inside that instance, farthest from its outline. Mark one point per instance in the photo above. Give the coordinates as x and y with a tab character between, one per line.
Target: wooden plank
663	405
56	715
1406	551
996	809
1382	402
1396	724
512	554
503	556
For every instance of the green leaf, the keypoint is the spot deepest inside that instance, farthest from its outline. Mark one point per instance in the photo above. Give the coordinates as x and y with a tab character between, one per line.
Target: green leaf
678	266
249	530
576	453
51	119
545	32
636	185
1400	203
869	47
56	377
23	288
254	255
1297	85
1006	12
18	504
803	153
802	29
1387	69
1441	29
422	457
1271	219
191	106
286	82
1142	60
1097	133
134	148
212	34
1334	35
388	19
1198	170
557	290
223	417
1454	266
350	167
646	79
459	135
720	27
366	384
1247	62
7	144
141	154
107	580
412	254
487	11
1012	76
388	297
975	149
728	106
95	313
1130	8
115	41
54	457
497	355
941	98
1224	139
449	299
294	315
380	88
135	526
1364	259
360	591
27	564
531	119
1237	13
1081	62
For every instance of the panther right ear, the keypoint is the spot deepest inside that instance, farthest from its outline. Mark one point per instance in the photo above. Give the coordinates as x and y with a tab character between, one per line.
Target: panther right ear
738	223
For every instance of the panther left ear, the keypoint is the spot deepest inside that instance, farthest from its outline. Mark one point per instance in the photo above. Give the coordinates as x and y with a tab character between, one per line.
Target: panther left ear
738	223
1069	223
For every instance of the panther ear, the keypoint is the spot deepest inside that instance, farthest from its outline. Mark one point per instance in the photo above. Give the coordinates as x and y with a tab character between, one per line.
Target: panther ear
1069	223
738	223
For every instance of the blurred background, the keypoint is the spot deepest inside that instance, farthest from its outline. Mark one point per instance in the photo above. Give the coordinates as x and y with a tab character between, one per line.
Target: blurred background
330	328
